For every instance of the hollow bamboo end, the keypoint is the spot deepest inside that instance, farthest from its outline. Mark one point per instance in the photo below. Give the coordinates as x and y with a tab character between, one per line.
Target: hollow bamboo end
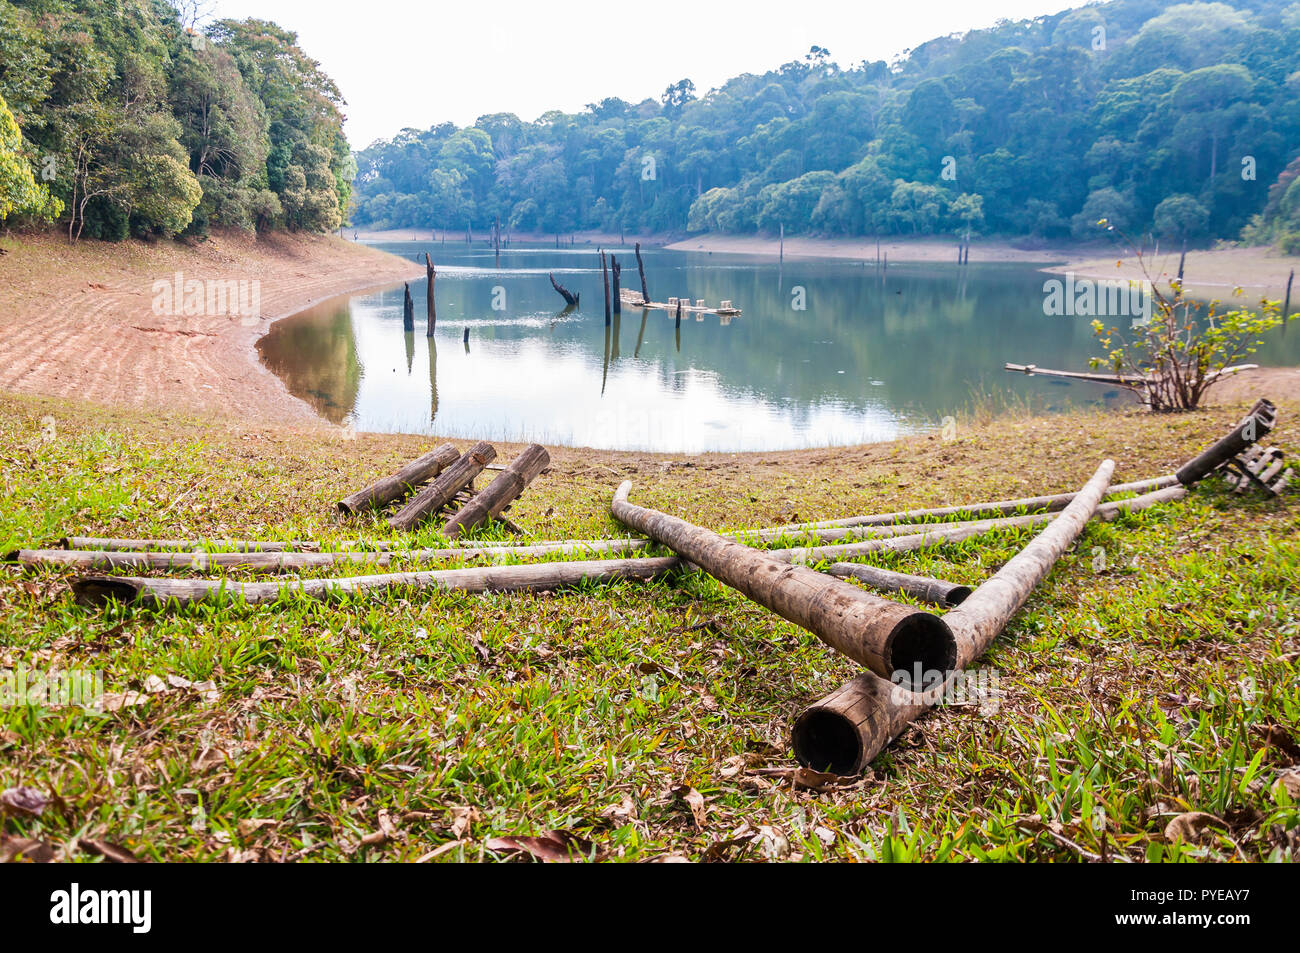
957	595
920	643
11	557
345	508
828	740
102	590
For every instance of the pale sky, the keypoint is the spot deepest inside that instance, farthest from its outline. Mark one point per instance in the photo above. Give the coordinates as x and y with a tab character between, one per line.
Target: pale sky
421	62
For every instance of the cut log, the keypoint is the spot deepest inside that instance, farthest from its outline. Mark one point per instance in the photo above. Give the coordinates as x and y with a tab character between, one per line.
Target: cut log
440	492
404	481
501	492
884	636
569	297
430	274
843	732
1256	424
102	590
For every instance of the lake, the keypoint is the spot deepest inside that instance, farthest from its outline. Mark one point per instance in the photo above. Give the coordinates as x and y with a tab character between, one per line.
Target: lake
824	353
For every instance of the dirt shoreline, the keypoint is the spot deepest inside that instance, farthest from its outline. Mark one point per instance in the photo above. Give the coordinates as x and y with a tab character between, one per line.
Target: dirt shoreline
80	320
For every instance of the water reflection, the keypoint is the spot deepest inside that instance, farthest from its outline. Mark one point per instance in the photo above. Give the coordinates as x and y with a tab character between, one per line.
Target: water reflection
824	352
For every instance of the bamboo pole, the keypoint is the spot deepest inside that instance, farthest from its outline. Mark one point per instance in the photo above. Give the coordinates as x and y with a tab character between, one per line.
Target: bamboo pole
399	484
1056	501
102	590
100	559
844	731
440	492
501	492
925	588
189	545
882	635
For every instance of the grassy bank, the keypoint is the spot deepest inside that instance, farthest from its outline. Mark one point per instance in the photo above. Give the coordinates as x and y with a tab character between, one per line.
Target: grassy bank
1152	675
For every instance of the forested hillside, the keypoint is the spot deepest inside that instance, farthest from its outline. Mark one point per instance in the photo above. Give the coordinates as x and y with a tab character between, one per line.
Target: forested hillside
119	118
1174	118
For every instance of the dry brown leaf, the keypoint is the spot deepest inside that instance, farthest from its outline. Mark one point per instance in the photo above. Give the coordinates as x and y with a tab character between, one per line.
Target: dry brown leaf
113	853
23	800
555	847
24	849
1290	780
251	825
1191	826
695	803
115	701
462	819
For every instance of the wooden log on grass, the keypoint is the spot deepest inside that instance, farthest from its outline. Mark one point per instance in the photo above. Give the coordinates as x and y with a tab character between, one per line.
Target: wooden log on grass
501	492
882	635
397	485
269	562
440	492
844	731
1257	423
939	591
163	592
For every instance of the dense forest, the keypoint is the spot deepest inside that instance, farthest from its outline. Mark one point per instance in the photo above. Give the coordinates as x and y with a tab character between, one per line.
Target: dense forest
119	117
1171	118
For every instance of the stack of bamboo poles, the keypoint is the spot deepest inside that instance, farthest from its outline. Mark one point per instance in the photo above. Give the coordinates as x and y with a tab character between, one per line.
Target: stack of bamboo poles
898	644
448	477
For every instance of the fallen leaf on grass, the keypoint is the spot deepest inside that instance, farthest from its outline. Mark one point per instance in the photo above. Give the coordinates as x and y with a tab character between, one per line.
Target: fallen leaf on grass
24	849
1191	826
554	847
23	800
251	825
462	819
113	853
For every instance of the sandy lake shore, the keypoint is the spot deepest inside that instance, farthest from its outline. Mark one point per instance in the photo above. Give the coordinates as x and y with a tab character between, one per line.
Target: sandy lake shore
80	320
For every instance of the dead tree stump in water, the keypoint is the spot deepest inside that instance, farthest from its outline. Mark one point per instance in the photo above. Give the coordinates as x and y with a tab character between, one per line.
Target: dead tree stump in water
408	309
617	270
430	273
569	297
640	267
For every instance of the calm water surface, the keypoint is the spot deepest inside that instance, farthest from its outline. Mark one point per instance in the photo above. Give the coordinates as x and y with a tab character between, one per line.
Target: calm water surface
863	360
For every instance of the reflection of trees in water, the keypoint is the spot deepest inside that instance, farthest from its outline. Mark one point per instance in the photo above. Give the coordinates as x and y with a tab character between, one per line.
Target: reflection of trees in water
315	354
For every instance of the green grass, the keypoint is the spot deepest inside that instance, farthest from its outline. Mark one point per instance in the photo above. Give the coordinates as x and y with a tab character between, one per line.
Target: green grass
1157	680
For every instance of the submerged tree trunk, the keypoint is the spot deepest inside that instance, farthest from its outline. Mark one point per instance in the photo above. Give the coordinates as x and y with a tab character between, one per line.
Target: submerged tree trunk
430	273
